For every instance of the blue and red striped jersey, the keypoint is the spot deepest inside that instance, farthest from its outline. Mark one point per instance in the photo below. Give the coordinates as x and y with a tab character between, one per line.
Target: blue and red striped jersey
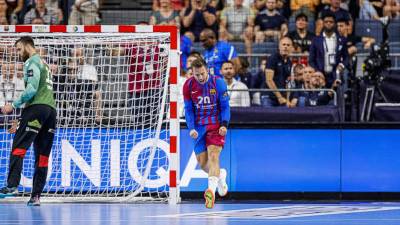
206	103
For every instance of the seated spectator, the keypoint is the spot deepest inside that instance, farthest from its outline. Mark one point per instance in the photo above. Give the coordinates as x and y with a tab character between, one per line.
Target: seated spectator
283	7
84	12
218	5
258	82
40	10
55	6
3	20
11	82
306	7
307	73
338	13
367	11
197	17
176	4
269	24
259	5
38	21
216	52
246	3
328	51
301	37
84	70
237	24
277	70
317	98
242	72
4	12
345	30
238	97
165	14
14	10
295	81
392	9
186	49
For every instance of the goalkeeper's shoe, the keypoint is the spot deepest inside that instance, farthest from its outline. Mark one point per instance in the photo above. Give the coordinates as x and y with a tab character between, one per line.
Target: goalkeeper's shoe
222	186
8	192
34	201
209	196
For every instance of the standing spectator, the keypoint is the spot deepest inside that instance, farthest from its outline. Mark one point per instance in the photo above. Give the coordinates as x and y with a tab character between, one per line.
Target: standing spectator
14	8
334	8
246	3
283	7
165	14
238	97
301	37
270	24
216	52
392	9
3	20
307	7
84	12
6	13
328	51
277	70
259	5
197	17
40	10
237	24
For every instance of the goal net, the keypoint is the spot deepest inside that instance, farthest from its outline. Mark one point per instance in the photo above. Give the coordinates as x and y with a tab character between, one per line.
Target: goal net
113	104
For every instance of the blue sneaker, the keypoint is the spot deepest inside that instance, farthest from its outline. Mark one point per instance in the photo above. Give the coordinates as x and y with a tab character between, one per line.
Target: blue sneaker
34	201
8	192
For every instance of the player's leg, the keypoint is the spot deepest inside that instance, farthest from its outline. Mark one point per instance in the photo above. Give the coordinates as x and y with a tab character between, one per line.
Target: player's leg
24	136
42	146
202	160
215	143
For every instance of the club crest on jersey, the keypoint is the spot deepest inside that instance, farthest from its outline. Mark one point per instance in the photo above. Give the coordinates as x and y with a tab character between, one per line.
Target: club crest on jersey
29	73
213	91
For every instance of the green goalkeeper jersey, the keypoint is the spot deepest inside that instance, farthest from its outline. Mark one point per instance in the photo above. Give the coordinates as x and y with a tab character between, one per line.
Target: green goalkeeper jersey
38	84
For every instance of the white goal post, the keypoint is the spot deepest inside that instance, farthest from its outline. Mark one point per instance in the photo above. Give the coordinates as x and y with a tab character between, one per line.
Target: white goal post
116	90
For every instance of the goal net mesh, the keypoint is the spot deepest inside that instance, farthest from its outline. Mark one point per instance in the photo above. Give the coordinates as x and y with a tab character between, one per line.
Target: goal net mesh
112	97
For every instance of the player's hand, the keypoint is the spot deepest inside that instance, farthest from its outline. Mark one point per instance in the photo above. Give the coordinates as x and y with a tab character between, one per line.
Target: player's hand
194	134
8	108
222	131
14	126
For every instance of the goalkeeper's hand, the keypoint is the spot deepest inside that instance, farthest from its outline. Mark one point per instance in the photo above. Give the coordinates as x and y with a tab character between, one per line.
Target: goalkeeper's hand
14	127
222	130
194	134
8	108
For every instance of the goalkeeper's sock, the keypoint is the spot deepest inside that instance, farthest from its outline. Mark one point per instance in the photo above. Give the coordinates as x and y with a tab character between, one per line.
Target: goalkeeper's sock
213	183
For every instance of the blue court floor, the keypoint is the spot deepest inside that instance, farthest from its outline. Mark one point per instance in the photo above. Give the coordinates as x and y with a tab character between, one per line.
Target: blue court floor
224	213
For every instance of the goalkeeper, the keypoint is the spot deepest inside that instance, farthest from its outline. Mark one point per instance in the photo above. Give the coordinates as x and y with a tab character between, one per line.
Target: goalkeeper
207	116
37	123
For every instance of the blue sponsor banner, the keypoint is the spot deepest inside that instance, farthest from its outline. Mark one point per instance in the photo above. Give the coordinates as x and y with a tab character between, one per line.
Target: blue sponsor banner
257	160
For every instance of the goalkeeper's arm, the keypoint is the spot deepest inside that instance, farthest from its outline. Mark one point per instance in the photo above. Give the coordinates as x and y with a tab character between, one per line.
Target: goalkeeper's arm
33	74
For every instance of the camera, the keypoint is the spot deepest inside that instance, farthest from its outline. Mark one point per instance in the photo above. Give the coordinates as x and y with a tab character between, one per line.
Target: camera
378	60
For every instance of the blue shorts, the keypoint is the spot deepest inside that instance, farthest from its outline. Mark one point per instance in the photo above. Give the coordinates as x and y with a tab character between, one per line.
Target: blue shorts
208	135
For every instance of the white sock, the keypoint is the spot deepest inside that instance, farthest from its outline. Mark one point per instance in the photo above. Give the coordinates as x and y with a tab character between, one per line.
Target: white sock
213	183
221	175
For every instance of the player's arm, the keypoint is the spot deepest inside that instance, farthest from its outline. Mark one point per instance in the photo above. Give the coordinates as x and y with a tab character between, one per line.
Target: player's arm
33	74
189	112
223	100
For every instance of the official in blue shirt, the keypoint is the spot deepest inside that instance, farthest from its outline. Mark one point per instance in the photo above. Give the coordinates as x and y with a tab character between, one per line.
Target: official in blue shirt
277	71
217	52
